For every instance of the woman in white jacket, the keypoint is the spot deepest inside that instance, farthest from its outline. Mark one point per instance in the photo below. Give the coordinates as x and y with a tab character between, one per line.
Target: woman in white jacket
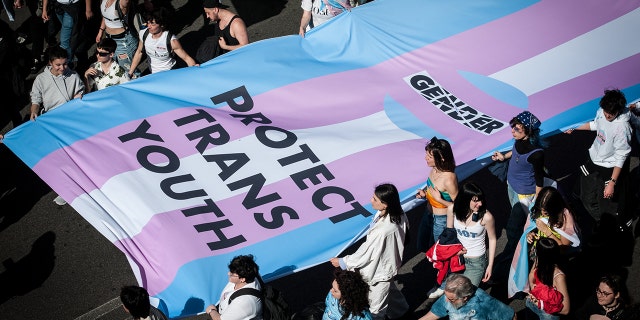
380	256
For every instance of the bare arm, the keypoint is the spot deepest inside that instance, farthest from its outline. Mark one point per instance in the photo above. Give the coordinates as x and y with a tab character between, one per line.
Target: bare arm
101	31
177	48
499	156
532	279
548	232
45	13
304	22
609	187
88	13
450	216
451	186
238	31
560	283
136	58
489	225
584	126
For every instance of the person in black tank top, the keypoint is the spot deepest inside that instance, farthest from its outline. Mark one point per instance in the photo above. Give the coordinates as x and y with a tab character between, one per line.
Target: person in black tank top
230	27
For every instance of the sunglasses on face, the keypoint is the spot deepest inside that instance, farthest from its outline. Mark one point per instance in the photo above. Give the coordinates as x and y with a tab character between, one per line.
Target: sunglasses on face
103	54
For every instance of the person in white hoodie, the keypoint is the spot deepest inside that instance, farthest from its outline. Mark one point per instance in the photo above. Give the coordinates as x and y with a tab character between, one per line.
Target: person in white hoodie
380	256
602	182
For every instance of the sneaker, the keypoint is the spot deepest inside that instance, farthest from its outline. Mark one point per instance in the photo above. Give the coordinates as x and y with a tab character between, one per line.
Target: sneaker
436	294
59	201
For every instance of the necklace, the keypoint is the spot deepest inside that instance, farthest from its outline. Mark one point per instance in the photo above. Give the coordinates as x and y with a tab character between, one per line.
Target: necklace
609	309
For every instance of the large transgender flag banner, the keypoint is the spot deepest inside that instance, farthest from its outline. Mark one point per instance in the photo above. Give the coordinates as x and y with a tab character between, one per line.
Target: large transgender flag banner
274	149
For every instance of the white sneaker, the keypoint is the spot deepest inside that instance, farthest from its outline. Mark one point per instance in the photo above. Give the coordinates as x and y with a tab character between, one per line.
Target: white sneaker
436	294
59	201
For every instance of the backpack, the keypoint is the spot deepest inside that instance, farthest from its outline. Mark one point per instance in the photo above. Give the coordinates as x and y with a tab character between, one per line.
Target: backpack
133	20
169	36
274	306
209	48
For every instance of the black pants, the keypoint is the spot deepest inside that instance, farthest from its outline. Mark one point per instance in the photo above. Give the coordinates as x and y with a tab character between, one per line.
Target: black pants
592	184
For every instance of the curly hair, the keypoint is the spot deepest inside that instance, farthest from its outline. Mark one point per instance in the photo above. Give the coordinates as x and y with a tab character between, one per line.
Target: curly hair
244	267
354	293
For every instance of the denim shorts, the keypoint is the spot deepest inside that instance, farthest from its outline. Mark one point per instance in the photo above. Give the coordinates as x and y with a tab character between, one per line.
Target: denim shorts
125	50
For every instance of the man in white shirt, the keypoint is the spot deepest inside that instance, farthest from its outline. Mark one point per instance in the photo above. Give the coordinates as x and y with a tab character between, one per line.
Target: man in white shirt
154	41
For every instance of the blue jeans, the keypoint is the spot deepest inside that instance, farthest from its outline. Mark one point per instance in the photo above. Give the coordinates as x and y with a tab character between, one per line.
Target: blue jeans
474	268
541	314
68	17
125	50
439	223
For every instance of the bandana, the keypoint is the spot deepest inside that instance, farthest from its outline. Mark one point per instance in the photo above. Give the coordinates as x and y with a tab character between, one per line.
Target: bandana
529	120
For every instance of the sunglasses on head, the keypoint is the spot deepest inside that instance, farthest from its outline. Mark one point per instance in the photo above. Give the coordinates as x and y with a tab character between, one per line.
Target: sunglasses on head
103	54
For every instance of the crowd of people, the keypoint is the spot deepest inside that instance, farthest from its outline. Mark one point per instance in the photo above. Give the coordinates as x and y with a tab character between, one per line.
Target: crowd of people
364	285
124	33
457	232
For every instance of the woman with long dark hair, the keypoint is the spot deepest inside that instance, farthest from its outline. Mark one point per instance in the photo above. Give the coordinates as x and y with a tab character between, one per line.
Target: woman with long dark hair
474	223
440	191
553	219
549	296
550	218
380	256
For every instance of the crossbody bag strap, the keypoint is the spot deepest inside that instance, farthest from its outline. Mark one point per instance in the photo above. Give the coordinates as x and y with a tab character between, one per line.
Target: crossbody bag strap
246	291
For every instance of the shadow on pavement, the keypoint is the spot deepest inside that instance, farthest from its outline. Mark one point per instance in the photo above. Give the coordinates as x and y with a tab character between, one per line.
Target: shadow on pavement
20	188
31	271
254	11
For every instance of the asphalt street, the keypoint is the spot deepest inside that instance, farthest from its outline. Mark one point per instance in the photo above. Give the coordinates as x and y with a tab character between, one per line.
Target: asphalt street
57	266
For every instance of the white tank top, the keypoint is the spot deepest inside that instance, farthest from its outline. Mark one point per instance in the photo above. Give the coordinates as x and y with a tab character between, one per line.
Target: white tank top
472	237
110	15
159	57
